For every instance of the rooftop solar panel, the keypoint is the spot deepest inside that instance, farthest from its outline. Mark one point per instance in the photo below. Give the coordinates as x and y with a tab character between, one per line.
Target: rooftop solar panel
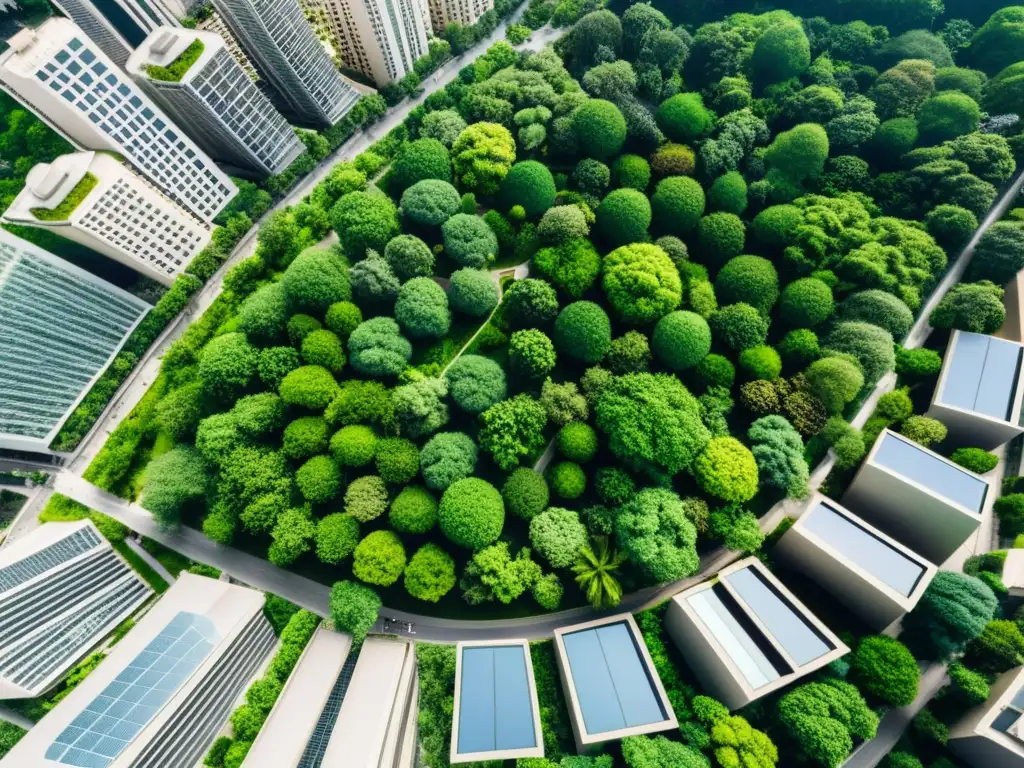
495	709
982	376
941	477
612	683
859	545
121	710
800	640
738	644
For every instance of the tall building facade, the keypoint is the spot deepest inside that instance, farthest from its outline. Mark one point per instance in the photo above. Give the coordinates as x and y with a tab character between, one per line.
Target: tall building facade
219	106
215	24
289	56
93	199
62	589
380	38
65	79
445	12
61	328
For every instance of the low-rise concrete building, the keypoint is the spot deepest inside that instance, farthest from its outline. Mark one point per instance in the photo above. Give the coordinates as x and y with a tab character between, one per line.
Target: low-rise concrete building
292	723
611	687
745	635
62	590
980	389
917	496
165	690
496	714
873	574
376	725
992	734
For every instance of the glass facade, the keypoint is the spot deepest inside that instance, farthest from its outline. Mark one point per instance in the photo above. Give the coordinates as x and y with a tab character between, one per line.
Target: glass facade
58	553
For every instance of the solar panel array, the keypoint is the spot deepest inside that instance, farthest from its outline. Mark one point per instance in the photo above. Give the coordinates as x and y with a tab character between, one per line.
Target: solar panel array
119	713
495	708
983	375
59	552
934	473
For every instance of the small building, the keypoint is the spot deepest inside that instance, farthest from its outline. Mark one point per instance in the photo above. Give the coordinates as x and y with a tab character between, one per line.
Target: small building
611	687
917	496
62	327
214	100
94	199
1013	572
496	714
165	690
992	734
62	590
873	574
979	393
376	724
292	722
745	635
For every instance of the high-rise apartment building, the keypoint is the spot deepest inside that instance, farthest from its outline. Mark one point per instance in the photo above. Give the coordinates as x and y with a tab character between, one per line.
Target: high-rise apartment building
118	26
63	77
215	24
289	56
380	38
61	328
94	199
214	100
445	12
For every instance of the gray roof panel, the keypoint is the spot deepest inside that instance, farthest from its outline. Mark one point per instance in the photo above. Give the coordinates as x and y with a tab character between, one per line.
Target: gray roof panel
942	477
495	710
982	376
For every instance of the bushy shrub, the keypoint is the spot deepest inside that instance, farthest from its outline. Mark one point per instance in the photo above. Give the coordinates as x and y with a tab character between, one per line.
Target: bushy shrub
430	574
512	429
530	303
870	345
654	532
720	237
739	326
366	498
531	354
377	348
614	486
174	480
342	318
525	493
264	314
953	610
577	441
568	480
761	362
563	223
684	117
918	363
924	430
472	292
835	381
999	254
672	159
354	608
414	511
591	176
946	116
781	52
323	348
409	257
631	171
471	513
748	279
379	559
558	536
447	457
572	267
726	468
397	460
975	459
363	220
600	129
951	225
431	202
354	445
422	309
469	241
885	668
824	717
305	437
976	307
728	193
629	353
227	365
531	185
336	537
641	283
677	205
799	346
318	479
624	216
895	406
681	340
374	284
806	302
315	280
583	332
482	155
476	383
716	371
309	387
878	308
275	363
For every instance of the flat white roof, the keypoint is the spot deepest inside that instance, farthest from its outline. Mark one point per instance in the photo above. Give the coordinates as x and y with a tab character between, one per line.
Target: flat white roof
982	375
286	732
112	714
902	456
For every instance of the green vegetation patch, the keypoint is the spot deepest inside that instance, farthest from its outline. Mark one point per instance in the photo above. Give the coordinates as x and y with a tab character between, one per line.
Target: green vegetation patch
69	203
176	70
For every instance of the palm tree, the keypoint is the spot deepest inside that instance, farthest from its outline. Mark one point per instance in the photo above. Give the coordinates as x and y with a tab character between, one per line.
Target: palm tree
595	573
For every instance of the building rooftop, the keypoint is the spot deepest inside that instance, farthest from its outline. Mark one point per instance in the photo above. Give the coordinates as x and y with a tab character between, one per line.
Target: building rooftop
939	475
981	376
174	52
109	718
496	714
291	722
613	688
49	184
865	548
992	733
62	590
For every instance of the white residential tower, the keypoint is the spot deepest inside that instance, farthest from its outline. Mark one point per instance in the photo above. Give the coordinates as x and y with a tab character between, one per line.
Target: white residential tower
380	38
445	12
